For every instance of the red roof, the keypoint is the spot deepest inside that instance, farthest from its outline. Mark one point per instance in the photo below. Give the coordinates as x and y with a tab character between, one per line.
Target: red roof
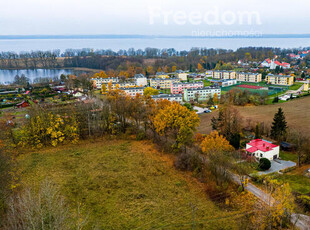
262	145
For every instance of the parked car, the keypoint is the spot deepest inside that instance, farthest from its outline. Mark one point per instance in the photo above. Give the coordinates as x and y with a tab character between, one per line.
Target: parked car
207	111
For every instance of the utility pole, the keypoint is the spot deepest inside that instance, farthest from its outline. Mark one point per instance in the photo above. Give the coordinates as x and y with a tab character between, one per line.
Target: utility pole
194	209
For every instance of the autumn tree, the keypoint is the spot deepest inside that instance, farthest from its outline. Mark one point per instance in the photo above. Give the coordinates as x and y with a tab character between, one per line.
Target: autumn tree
103	89
102	74
148	91
215	98
178	121
215	142
199	66
110	86
173	68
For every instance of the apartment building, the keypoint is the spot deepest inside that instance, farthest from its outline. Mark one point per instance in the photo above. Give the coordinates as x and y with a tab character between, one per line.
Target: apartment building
201	94
163	83
170	97
224	74
249	77
177	88
280	79
133	91
99	81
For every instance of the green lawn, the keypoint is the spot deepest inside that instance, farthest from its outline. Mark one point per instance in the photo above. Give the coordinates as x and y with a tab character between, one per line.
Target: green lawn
206	83
296	86
288	156
298	183
124	185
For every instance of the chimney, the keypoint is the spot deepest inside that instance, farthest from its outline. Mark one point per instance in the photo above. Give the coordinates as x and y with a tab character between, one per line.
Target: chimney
267	147
264	144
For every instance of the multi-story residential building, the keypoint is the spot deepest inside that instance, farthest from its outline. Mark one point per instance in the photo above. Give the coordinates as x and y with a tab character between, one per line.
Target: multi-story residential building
177	88
181	75
224	82
133	91
163	83
170	97
280	79
126	84
224	74
99	81
140	80
249	77
201	94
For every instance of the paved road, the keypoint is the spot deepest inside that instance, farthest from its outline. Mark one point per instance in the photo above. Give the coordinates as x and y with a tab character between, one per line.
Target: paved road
299	220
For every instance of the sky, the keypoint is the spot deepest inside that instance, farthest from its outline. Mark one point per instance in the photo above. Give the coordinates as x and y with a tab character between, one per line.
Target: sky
153	17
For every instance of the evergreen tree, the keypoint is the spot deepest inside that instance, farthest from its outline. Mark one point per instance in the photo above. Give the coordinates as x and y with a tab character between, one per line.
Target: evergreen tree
210	101
257	131
275	100
278	128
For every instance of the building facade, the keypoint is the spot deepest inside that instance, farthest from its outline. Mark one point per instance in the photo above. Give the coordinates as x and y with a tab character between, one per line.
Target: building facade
201	94
163	83
224	83
249	77
226	75
133	91
262	149
170	97
140	80
177	88
279	79
99	81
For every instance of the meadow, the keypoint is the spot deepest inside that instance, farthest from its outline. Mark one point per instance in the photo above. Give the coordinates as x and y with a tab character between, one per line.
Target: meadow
124	184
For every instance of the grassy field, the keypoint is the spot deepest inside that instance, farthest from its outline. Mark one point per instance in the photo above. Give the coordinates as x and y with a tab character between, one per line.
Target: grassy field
124	185
296	112
296	86
298	182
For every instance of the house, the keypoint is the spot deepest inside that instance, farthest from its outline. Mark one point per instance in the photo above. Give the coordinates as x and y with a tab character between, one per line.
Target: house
266	63
133	91
169	97
201	94
23	104
283	65
177	88
163	83
249	77
260	148
279	79
224	82
140	80
272	64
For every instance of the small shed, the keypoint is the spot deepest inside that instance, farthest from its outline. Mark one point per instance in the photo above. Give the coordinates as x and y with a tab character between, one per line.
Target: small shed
23	104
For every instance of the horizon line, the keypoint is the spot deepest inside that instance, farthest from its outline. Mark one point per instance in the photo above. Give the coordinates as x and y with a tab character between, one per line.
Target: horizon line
133	36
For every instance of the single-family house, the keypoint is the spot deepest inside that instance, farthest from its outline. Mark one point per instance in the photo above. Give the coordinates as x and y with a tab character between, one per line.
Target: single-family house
260	148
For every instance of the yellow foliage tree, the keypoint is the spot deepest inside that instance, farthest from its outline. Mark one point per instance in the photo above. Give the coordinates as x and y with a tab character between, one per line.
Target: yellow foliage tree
102	74
148	91
178	121
199	66
103	89
215	98
110	86
173	68
215	142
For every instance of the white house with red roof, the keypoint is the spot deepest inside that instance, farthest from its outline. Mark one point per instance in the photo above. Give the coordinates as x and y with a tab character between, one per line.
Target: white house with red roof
272	64
266	63
262	149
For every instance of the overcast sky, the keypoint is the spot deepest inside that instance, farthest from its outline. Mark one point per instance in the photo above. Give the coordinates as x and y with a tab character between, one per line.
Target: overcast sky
151	17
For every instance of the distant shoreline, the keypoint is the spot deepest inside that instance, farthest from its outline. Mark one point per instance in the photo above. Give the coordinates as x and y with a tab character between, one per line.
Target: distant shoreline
114	36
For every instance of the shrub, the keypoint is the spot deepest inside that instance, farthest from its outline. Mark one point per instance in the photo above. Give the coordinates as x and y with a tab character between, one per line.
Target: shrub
264	164
191	162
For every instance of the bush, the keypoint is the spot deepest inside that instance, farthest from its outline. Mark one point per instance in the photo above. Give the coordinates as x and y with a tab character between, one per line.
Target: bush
264	164
191	162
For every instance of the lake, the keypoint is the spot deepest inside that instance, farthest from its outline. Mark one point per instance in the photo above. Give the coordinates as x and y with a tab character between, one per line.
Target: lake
18	45
7	76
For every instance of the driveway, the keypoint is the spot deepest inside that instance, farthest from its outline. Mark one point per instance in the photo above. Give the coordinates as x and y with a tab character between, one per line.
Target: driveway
278	165
199	109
